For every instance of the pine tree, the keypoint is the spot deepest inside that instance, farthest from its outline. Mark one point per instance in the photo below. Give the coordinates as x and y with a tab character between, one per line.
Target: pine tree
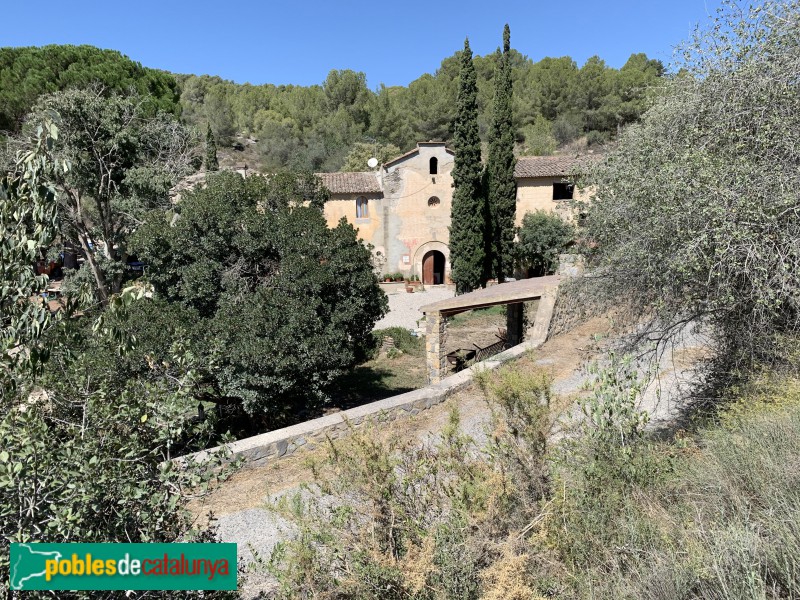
502	190
212	164
467	218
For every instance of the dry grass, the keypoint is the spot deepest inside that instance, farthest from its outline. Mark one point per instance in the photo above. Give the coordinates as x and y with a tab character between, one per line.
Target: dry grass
710	515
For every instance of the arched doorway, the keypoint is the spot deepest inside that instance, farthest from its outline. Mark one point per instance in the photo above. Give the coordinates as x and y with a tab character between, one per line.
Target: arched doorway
433	268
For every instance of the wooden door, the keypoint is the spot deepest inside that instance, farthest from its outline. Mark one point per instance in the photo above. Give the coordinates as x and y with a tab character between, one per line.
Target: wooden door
427	269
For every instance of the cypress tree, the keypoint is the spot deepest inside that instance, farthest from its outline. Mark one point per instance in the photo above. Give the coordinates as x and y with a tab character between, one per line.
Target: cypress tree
212	164
501	187
467	219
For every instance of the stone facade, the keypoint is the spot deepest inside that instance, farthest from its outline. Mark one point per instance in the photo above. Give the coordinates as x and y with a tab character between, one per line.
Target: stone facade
435	343
403	207
536	193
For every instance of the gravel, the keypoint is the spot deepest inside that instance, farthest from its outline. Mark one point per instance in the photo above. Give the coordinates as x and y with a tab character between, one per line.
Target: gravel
255	531
404	307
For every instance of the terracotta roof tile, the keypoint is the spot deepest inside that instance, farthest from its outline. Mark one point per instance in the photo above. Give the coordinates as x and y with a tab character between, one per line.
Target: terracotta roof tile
547	166
363	182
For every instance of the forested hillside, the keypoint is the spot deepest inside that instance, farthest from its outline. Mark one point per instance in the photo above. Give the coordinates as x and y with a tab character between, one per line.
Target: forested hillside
27	73
316	127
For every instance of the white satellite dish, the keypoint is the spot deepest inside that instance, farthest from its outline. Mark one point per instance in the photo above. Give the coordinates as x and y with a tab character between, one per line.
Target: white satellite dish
372	162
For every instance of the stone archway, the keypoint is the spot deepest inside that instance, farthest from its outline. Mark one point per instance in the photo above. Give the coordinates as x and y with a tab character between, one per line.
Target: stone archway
423	250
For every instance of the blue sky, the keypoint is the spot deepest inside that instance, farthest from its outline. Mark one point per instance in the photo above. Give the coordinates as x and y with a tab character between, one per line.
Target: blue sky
392	42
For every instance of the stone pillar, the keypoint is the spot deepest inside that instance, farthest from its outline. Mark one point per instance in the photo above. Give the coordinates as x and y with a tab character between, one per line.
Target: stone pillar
514	323
544	314
435	341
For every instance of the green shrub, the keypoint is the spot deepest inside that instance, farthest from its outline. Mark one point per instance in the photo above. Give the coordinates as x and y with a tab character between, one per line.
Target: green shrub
567	127
713	159
711	518
387	518
607	513
542	237
519	401
599	468
539	140
404	340
596	138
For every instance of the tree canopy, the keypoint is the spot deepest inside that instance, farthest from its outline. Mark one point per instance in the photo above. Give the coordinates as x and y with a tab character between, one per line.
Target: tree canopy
695	216
315	127
28	73
286	304
542	237
469	218
84	461
362	151
123	163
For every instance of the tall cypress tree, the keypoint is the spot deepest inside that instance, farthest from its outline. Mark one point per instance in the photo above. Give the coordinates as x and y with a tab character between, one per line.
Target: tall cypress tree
467	219
212	164
501	187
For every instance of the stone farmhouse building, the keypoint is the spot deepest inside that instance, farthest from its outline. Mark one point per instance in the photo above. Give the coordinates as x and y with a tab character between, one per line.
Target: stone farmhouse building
403	207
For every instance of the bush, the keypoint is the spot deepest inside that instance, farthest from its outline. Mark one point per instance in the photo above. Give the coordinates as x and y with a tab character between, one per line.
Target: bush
392	519
596	138
542	237
566	128
694	220
394	527
91	461
255	263
539	140
600	466
607	513
404	339
734	507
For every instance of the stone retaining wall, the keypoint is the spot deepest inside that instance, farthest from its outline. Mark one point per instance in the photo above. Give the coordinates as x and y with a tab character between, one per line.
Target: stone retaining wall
261	449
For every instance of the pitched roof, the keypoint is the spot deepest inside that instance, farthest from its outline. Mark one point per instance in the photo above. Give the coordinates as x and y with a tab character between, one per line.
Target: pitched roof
547	166
363	182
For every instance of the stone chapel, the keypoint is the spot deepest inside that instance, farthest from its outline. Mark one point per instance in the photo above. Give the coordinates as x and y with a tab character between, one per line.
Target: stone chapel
402	207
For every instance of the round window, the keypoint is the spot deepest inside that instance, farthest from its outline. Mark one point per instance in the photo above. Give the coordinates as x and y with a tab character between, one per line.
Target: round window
433	202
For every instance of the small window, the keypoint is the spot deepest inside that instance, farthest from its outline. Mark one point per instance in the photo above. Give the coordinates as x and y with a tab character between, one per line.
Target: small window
434	166
434	202
563	191
362	208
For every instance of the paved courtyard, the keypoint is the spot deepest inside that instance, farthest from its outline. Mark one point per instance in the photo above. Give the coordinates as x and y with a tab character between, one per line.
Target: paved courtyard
404	308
